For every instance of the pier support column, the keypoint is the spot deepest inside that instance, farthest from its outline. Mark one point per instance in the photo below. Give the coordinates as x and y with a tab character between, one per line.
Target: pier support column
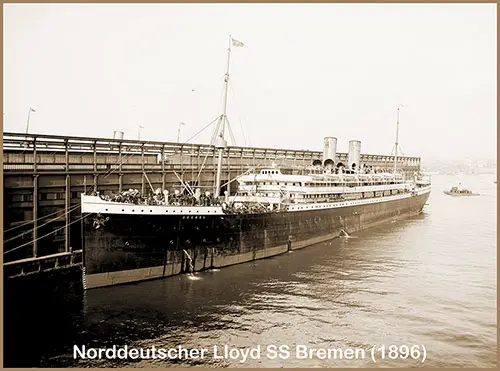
120	175
241	162
35	216
96	176
163	168
143	169
191	166
67	205
182	164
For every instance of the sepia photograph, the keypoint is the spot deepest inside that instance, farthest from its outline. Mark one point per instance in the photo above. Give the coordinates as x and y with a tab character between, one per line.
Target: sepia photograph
249	185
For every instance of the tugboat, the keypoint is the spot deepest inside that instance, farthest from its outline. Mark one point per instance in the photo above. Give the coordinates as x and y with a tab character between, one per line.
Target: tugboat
459	191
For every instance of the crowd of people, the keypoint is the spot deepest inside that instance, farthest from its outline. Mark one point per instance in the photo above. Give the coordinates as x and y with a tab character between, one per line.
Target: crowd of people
245	209
134	196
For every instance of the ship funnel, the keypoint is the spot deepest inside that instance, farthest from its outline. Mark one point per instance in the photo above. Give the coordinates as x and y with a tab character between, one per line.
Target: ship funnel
354	155
118	134
329	151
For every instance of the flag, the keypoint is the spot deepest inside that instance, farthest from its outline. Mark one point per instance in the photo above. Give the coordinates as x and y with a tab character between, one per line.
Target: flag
31	109
237	43
141	127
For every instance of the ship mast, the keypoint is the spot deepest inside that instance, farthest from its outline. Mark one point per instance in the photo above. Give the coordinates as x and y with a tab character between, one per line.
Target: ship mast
220	142
396	144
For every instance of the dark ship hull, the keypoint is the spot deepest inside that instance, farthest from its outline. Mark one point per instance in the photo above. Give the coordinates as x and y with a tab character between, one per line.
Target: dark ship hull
130	248
458	194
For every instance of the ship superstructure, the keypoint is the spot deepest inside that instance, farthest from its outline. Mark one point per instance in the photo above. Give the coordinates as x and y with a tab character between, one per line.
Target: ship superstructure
284	191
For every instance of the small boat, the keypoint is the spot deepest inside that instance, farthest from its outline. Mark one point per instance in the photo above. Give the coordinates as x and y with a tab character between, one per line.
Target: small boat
458	191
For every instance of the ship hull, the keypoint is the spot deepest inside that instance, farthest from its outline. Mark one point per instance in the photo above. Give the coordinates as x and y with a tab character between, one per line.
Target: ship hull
131	248
455	194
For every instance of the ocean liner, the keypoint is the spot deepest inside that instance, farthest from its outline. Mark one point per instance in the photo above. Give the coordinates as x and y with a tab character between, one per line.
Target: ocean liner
129	238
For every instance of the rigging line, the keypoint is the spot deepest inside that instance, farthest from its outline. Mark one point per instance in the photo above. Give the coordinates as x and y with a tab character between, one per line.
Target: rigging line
243	132
201	168
239	176
214	132
206	156
124	157
216	128
113	167
239	117
48	234
40	226
111	171
32	221
218	116
205	127
402	153
221	98
400	150
212	141
230	132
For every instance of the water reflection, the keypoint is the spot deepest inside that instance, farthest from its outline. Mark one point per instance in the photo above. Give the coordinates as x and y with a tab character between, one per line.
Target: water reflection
427	280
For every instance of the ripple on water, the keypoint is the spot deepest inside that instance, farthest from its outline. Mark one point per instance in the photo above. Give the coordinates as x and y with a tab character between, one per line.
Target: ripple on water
427	280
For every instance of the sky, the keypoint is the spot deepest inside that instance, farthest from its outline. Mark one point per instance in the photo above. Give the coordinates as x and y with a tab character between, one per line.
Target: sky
305	72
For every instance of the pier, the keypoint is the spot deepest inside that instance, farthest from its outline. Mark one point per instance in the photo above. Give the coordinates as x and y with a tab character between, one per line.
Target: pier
44	176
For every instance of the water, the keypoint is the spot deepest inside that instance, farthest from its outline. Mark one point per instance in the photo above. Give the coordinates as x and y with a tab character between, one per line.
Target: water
429	280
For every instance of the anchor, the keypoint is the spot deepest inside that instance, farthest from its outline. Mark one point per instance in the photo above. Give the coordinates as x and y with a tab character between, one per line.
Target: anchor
100	221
